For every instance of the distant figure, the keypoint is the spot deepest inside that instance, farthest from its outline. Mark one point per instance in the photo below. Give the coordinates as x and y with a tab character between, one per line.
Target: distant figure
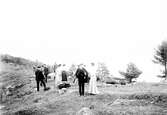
64	76
81	74
93	80
46	72
40	77
58	76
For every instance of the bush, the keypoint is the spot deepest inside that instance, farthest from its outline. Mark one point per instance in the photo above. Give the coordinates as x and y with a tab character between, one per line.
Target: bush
102	72
131	72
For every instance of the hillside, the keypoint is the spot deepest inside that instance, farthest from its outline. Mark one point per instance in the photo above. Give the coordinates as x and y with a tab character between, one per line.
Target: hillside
16	78
8	59
19	95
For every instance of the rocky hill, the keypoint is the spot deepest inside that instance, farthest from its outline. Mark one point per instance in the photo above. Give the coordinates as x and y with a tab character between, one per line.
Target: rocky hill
16	78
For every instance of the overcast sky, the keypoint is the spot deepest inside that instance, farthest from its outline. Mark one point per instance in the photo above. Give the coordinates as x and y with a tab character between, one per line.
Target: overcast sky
71	31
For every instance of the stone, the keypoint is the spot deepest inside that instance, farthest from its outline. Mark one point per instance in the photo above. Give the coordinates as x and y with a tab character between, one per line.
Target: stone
85	111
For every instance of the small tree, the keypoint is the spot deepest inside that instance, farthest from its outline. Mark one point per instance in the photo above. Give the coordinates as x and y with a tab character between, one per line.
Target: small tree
131	72
55	66
160	57
102	72
72	70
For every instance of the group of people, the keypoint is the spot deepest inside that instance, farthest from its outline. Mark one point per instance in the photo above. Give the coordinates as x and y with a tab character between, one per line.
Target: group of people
83	77
41	73
60	76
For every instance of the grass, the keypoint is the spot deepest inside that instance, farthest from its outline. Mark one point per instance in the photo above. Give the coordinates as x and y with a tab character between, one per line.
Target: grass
143	101
131	99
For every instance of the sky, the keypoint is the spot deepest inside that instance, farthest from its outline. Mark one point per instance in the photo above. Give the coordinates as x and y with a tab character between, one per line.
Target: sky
114	32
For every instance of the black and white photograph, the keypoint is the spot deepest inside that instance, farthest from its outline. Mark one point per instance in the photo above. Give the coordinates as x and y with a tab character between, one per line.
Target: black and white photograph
83	57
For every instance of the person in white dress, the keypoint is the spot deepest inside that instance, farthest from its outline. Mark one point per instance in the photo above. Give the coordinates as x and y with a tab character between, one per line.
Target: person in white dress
58	76
93	80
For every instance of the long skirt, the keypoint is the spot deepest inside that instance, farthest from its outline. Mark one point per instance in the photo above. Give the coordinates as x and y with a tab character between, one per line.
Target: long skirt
57	80
93	85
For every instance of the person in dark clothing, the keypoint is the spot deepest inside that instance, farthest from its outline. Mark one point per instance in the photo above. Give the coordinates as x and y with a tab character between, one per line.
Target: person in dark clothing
46	72
64	76
81	74
86	78
39	78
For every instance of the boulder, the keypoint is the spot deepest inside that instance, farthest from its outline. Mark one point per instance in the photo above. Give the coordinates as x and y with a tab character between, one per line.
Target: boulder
62	91
85	111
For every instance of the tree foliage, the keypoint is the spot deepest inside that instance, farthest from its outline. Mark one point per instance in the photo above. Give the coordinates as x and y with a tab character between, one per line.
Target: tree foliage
160	57
102	72
72	70
131	72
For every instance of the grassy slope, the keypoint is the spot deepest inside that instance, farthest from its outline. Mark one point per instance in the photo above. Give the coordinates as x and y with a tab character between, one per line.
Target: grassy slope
16	79
141	98
137	99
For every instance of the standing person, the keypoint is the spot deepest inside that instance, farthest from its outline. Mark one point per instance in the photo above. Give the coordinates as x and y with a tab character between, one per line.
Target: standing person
46	72
64	76
58	75
81	74
40	78
93	80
